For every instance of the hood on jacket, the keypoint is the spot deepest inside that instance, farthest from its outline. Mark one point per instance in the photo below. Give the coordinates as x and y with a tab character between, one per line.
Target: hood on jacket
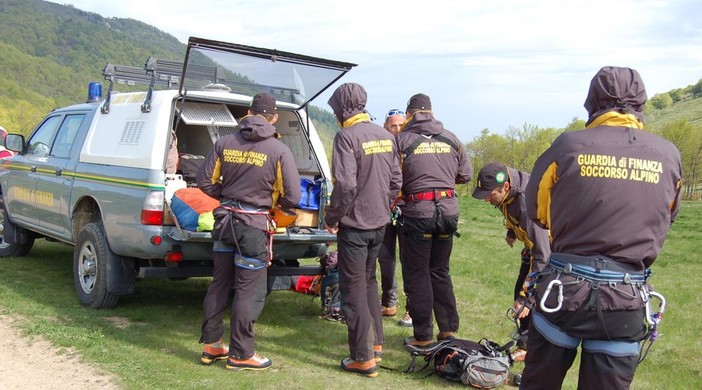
348	100
518	181
423	122
256	128
615	88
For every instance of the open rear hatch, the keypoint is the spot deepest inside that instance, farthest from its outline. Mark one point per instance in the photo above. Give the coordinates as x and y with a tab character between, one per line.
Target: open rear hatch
247	70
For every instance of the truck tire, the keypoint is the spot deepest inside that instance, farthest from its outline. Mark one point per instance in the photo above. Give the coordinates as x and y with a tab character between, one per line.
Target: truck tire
90	258
15	249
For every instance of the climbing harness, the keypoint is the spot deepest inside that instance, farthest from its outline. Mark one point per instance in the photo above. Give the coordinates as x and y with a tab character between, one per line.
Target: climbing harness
599	272
241	208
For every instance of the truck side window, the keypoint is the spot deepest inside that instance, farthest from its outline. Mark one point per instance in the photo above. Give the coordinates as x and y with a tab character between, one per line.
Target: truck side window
66	135
40	141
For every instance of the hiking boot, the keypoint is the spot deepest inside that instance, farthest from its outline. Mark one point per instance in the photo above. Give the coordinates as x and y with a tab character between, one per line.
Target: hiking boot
377	352
213	352
367	368
445	335
406	320
388	311
416	343
255	362
519	355
421	347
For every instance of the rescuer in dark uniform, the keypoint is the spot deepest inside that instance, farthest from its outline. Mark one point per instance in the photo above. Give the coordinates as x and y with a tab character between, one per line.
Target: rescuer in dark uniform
366	175
503	187
387	257
609	194
433	162
250	171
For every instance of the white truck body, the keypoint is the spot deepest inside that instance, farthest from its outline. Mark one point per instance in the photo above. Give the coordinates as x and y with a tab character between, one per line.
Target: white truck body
93	175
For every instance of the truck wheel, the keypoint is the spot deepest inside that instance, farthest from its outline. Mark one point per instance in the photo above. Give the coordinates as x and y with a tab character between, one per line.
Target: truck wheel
12	250
90	259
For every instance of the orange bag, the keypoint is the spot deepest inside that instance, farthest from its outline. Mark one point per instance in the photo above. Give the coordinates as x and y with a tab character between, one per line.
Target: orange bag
197	200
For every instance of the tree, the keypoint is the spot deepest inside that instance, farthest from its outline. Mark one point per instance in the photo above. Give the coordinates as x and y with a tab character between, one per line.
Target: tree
662	100
527	144
487	148
21	116
688	139
677	94
575	124
517	148
697	89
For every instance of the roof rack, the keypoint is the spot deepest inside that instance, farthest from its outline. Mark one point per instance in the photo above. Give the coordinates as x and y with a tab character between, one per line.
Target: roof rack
155	71
169	73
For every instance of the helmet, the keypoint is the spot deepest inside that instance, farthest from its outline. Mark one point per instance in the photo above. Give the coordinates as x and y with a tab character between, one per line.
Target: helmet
283	218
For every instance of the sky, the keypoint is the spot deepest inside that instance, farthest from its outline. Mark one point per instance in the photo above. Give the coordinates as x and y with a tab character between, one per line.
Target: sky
490	64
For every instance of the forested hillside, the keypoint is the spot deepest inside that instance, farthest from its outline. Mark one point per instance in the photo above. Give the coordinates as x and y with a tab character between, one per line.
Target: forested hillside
50	52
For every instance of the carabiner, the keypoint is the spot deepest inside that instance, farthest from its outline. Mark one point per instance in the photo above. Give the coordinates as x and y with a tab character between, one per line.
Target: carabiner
661	308
547	292
513	316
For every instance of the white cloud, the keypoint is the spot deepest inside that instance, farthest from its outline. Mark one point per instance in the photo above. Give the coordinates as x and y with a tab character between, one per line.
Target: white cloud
486	64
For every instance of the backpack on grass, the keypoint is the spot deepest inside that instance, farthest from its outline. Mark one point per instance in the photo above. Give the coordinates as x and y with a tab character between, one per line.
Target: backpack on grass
483	365
331	297
330	293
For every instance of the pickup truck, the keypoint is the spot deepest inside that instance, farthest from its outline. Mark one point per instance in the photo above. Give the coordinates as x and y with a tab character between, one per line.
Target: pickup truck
94	175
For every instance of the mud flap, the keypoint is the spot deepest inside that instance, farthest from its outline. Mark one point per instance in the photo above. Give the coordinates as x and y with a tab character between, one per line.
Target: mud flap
12	234
120	275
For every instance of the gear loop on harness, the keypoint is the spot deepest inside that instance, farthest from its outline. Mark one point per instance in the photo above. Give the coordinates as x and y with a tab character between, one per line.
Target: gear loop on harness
613	286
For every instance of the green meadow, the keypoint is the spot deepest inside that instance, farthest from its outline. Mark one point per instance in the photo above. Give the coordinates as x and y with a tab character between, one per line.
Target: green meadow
150	340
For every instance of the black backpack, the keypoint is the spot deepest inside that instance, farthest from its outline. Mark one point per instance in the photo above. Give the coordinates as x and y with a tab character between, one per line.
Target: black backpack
483	365
330	292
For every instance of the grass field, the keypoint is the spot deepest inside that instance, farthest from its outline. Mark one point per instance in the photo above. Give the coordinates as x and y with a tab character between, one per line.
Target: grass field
150	339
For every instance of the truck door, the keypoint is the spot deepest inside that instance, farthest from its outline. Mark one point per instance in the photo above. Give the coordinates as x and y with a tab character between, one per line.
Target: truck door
21	197
55	177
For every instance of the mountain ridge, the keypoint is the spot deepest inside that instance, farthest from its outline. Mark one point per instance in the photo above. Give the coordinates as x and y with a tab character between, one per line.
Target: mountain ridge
50	52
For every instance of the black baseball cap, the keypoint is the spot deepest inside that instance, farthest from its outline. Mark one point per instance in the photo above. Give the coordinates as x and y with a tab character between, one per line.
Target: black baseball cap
419	101
491	176
263	103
